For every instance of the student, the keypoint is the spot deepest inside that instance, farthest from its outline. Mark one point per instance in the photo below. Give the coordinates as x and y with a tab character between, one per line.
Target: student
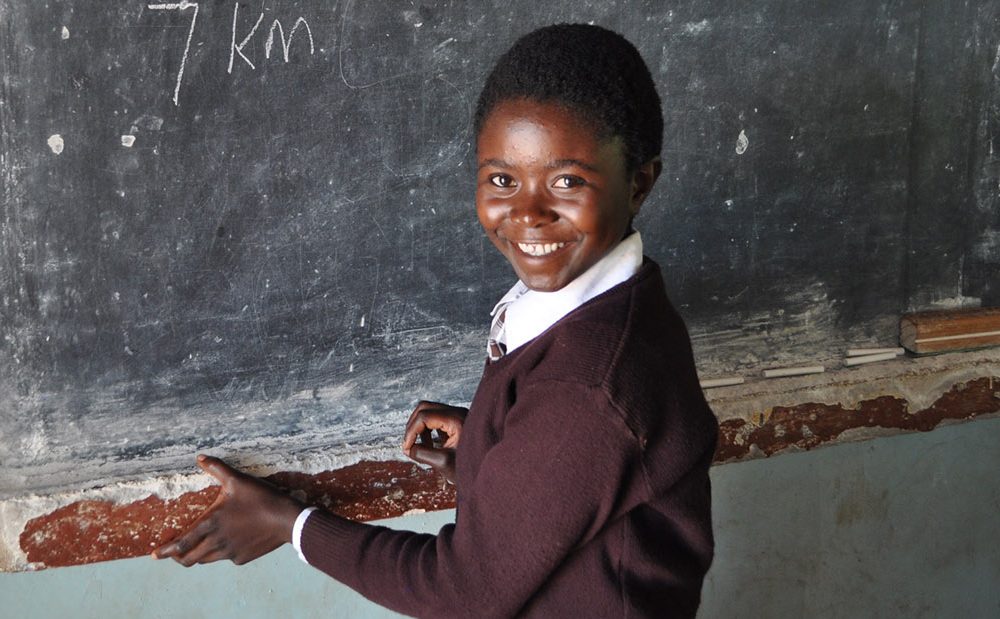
582	463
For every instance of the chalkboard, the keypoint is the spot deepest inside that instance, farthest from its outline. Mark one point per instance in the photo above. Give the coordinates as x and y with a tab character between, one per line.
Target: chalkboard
250	226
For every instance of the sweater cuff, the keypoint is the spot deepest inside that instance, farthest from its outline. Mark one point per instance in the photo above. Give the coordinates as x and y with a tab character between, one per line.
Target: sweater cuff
334	545
300	522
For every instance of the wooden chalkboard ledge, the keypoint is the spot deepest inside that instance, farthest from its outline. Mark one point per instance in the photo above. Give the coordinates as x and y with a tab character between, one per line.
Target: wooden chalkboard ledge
758	419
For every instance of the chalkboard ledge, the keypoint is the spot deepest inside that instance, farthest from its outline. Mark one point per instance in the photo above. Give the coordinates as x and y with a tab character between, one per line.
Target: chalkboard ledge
757	419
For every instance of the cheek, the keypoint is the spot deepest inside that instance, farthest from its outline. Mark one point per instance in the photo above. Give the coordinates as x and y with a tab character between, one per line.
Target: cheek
489	216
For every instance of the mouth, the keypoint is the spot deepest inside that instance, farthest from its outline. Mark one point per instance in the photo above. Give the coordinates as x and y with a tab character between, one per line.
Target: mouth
540	249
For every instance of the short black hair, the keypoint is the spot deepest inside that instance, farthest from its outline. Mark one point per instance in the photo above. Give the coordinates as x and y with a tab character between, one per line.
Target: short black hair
591	70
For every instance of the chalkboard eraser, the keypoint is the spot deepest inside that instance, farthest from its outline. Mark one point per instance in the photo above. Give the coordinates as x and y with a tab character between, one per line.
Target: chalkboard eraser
950	330
798	371
728	381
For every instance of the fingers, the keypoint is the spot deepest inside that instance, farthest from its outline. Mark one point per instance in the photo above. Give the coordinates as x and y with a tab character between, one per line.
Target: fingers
176	548
184	544
437	458
413	429
447	420
201	545
208	550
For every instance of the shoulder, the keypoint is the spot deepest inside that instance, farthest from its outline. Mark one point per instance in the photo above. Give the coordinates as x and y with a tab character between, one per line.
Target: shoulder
628	343
610	329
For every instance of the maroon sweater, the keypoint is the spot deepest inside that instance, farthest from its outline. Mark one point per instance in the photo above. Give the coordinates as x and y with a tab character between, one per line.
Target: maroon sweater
582	479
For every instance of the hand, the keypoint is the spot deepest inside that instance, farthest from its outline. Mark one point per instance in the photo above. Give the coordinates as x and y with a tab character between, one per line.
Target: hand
249	519
447	420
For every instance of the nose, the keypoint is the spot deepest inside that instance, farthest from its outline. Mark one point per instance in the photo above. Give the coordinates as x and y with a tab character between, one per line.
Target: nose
532	209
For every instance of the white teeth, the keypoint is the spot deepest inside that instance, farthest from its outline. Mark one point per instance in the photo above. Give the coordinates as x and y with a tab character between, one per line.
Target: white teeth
539	249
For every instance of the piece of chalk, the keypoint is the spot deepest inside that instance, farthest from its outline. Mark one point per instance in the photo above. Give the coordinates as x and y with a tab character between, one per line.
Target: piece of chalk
722	382
862	352
778	372
886	356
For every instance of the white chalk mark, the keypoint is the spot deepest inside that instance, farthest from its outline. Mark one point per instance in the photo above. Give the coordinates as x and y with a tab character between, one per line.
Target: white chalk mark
180	6
128	141
238	49
742	142
863	352
56	143
285	45
722	382
778	372
886	356
65	33
696	28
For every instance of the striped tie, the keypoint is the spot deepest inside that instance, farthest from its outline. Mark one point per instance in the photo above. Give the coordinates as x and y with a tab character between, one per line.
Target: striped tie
496	347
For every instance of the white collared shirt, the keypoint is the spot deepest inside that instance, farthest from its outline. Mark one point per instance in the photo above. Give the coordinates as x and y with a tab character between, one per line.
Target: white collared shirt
530	312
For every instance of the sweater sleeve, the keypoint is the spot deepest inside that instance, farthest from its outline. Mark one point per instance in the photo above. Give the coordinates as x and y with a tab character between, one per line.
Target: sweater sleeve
542	491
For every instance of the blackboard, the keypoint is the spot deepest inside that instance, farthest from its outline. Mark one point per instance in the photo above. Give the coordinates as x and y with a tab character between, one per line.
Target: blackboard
250	226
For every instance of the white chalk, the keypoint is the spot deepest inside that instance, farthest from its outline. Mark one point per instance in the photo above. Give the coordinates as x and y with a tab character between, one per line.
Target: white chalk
809	369
128	141
862	352
721	382
65	33
886	356
742	142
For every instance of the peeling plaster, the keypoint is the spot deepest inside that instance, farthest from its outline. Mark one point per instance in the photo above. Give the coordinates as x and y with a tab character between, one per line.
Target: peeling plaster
967	383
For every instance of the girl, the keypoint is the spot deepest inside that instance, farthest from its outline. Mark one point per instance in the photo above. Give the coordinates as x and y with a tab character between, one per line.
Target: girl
582	463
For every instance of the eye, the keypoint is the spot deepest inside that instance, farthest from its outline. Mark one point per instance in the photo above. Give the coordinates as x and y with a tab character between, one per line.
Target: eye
502	180
568	181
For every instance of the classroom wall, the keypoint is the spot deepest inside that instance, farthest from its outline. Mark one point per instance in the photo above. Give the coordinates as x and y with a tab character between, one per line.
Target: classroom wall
902	526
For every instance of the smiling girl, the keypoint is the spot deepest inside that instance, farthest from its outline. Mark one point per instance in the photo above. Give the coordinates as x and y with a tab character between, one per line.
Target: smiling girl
582	463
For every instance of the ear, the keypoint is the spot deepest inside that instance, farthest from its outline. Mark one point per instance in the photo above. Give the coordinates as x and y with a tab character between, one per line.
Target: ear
643	180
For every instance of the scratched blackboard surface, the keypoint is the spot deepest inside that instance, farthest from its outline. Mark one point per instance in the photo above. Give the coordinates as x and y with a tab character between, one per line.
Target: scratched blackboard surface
249	226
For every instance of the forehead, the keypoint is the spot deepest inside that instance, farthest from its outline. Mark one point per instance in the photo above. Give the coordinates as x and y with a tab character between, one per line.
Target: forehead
526	127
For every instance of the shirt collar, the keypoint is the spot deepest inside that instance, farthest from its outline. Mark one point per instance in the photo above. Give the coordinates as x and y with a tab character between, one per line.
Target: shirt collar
530	312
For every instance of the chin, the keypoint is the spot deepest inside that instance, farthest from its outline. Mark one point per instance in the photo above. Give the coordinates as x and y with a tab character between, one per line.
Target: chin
543	284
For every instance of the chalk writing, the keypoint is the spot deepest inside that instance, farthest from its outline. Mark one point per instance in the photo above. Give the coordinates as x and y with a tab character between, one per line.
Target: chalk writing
238	49
234	47
180	6
286	44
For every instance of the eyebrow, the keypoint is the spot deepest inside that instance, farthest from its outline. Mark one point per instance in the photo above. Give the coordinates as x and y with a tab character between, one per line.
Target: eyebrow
552	165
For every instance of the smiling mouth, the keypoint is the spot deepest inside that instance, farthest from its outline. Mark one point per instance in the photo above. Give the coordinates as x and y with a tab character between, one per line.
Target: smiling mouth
539	249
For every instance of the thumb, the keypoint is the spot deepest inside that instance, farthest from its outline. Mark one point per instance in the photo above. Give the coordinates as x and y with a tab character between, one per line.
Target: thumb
437	458
218	469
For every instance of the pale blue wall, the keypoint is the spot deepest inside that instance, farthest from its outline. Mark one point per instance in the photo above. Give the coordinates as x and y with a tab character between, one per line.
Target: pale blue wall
907	526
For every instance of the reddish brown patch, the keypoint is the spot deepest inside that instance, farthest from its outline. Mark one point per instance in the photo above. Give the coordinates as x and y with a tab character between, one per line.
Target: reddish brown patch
808	425
91	531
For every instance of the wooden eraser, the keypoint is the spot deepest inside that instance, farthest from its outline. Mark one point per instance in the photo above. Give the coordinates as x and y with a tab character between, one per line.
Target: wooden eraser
950	330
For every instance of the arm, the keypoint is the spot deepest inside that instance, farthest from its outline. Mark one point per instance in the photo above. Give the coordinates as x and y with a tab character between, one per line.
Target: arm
250	518
544	490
